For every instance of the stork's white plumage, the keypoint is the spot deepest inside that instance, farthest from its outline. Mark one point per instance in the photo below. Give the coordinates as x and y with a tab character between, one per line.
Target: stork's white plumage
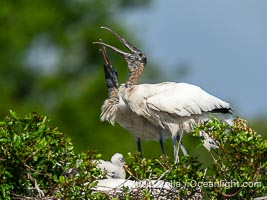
115	109
161	102
176	107
115	168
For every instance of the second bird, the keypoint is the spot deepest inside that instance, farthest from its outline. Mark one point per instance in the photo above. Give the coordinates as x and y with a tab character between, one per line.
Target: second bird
115	109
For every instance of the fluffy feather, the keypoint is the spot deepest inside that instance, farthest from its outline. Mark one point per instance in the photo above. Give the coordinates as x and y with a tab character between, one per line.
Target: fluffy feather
114	169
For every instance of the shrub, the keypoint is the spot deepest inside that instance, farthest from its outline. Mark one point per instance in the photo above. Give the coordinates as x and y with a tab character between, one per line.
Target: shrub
38	161
239	164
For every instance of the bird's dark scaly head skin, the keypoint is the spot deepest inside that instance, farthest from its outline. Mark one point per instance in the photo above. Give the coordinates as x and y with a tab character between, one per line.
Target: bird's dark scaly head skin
134	59
111	74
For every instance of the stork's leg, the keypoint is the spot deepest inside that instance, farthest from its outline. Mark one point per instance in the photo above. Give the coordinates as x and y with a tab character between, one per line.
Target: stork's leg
175	150
179	140
139	148
183	149
162	146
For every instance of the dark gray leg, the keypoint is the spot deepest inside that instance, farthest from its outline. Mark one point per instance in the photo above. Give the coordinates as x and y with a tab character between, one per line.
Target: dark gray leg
175	150
139	148
162	146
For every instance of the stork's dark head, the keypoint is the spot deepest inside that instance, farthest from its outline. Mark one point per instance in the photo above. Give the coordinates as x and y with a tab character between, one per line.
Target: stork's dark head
111	74
135	59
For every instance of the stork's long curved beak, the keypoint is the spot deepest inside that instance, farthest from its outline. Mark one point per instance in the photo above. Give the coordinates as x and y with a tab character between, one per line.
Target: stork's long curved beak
113	48
110	72
105	56
127	44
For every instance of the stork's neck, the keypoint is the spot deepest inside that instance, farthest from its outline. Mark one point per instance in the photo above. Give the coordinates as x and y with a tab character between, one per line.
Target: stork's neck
109	108
134	76
113	95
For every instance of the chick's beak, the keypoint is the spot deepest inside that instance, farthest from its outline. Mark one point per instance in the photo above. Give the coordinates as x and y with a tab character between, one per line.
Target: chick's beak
105	56
127	169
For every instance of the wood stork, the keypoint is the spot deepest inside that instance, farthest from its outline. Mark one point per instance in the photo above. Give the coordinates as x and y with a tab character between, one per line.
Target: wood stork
115	168
176	107
115	109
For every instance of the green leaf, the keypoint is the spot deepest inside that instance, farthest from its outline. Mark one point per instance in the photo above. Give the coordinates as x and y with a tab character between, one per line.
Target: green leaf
61	179
13	114
16	140
35	158
4	140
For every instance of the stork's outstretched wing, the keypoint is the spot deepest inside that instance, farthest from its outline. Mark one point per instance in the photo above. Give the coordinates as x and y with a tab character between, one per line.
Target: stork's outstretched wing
156	101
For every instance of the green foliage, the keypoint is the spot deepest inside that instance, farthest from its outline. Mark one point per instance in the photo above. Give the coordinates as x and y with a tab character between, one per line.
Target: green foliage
240	162
180	175
38	161
238	170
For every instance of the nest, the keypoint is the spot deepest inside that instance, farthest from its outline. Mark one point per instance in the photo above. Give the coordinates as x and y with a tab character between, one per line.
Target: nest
143	189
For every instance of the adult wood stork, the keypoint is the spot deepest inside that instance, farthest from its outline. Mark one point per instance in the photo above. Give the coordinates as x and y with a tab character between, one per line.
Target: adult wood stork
115	109
115	168
176	107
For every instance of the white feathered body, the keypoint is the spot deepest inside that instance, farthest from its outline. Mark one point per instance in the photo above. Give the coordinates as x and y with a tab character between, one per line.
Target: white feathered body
139	126
115	168
112	170
174	106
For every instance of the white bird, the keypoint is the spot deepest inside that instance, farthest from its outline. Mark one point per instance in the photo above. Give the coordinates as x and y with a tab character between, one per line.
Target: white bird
115	109
107	185
117	185
176	107
115	168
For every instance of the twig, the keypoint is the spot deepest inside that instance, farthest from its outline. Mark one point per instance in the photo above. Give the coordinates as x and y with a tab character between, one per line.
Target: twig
36	186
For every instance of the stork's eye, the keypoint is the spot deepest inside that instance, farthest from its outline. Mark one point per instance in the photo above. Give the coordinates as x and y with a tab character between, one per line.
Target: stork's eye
140	54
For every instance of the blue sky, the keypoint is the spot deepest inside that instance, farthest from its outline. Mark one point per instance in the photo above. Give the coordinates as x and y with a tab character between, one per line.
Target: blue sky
224	42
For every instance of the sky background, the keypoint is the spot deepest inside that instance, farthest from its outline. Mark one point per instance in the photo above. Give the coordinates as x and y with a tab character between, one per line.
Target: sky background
223	43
